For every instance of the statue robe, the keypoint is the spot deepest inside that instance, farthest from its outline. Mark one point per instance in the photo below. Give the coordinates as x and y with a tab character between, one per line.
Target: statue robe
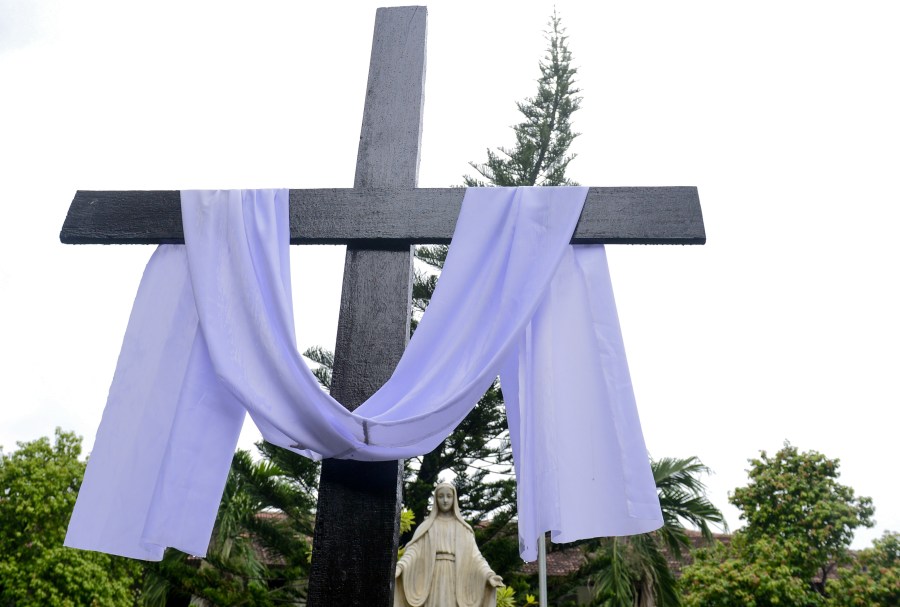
443	568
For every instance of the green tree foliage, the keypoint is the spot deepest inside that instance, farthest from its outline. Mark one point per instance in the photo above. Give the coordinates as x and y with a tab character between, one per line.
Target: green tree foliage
634	571
800	523
796	498
258	555
872	580
757	574
38	486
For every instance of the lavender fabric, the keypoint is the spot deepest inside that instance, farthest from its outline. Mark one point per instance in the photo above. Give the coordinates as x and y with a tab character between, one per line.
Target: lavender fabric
211	336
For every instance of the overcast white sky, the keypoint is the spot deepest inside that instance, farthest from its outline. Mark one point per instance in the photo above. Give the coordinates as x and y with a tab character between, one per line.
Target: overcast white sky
784	114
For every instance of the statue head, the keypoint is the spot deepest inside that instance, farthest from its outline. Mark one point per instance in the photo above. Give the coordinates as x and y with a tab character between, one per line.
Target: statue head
445	498
444	502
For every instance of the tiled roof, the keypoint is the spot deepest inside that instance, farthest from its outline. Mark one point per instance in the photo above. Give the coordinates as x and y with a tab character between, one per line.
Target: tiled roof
559	562
564	561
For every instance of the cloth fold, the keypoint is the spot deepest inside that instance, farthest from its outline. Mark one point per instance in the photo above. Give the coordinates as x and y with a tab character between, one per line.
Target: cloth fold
212	335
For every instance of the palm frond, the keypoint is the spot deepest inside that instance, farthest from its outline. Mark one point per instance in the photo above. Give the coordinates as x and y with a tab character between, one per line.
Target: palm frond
614	582
682	494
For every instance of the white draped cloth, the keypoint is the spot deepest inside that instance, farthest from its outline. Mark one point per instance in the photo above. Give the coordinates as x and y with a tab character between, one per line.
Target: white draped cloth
211	336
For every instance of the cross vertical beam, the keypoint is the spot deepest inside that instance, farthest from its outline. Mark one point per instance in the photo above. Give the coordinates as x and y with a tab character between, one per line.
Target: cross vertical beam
357	518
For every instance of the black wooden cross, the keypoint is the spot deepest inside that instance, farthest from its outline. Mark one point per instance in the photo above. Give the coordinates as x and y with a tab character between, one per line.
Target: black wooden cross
379	219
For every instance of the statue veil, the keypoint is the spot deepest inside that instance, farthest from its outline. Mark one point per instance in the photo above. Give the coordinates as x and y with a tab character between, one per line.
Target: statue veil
425	525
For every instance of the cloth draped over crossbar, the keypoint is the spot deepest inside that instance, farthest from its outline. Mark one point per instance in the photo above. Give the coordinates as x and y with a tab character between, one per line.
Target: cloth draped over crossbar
211	337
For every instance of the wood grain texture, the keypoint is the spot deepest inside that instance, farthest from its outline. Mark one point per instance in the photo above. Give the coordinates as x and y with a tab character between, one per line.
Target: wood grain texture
373	325
389	217
388	154
129	217
358	513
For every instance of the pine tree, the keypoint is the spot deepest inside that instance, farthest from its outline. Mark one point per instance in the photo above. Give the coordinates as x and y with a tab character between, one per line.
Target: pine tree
541	154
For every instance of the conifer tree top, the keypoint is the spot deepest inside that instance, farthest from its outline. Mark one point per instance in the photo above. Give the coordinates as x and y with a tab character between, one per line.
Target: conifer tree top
541	153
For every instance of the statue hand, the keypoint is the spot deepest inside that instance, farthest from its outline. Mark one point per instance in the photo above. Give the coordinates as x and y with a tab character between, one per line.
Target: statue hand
398	571
496	581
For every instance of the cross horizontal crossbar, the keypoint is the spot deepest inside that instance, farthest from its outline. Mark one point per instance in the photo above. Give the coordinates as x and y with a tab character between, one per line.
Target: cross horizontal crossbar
386	218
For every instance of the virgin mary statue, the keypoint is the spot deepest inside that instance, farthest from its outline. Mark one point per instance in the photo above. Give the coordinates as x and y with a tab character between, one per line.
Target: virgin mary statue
441	566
